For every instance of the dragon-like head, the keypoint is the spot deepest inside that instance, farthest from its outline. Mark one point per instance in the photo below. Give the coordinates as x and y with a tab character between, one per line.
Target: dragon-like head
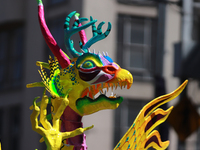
87	73
101	75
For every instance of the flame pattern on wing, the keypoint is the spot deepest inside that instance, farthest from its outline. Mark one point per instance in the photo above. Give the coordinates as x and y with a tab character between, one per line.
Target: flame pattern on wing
141	135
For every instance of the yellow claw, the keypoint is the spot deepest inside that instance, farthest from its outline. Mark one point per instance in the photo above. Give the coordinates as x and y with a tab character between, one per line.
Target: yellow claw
154	140
51	133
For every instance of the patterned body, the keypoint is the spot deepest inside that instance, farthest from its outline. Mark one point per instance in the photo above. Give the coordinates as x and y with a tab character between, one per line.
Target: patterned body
141	135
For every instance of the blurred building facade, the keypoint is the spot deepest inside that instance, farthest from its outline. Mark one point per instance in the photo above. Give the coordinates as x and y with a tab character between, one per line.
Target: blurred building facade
143	39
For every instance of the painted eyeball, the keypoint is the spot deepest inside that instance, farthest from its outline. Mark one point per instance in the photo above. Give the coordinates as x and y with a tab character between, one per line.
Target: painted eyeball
88	64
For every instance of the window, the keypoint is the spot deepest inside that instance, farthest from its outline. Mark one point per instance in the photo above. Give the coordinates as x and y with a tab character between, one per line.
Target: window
125	114
195	24
11	55
57	30
197	140
14	123
53	2
10	129
136	45
138	2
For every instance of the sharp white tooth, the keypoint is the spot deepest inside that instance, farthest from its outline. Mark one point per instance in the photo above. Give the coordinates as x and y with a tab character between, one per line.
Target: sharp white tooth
107	88
104	54
100	92
111	94
94	51
88	94
113	85
88	50
99	53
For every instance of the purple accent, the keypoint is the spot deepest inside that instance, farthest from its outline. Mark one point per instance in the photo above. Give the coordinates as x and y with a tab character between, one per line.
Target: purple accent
89	70
103	78
82	36
155	105
153	120
71	121
152	139
115	65
105	61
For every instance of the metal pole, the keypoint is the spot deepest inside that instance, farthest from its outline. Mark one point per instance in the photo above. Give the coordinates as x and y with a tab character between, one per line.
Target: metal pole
187	22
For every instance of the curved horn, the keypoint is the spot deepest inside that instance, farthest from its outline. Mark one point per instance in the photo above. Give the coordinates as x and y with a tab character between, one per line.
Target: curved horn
63	59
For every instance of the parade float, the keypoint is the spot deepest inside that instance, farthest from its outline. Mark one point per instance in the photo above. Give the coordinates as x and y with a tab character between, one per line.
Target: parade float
73	83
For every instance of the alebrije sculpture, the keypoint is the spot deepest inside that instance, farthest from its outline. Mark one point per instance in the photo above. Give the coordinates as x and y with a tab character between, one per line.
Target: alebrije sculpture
84	75
74	82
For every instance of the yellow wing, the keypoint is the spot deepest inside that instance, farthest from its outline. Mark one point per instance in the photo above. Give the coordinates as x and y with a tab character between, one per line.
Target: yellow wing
140	135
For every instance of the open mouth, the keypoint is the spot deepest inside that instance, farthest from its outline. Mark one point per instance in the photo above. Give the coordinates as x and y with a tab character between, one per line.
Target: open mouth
107	89
102	96
88	76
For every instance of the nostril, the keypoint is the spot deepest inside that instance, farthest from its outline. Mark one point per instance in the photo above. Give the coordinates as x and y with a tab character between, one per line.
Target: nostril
111	68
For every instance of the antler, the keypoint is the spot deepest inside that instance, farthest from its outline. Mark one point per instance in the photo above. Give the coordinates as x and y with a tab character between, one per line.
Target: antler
75	28
97	34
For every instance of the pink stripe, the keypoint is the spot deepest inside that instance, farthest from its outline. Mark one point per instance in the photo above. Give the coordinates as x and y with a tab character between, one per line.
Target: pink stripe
52	44
82	35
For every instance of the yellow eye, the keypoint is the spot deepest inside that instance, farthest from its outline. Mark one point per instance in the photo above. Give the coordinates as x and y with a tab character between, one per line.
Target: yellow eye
88	64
